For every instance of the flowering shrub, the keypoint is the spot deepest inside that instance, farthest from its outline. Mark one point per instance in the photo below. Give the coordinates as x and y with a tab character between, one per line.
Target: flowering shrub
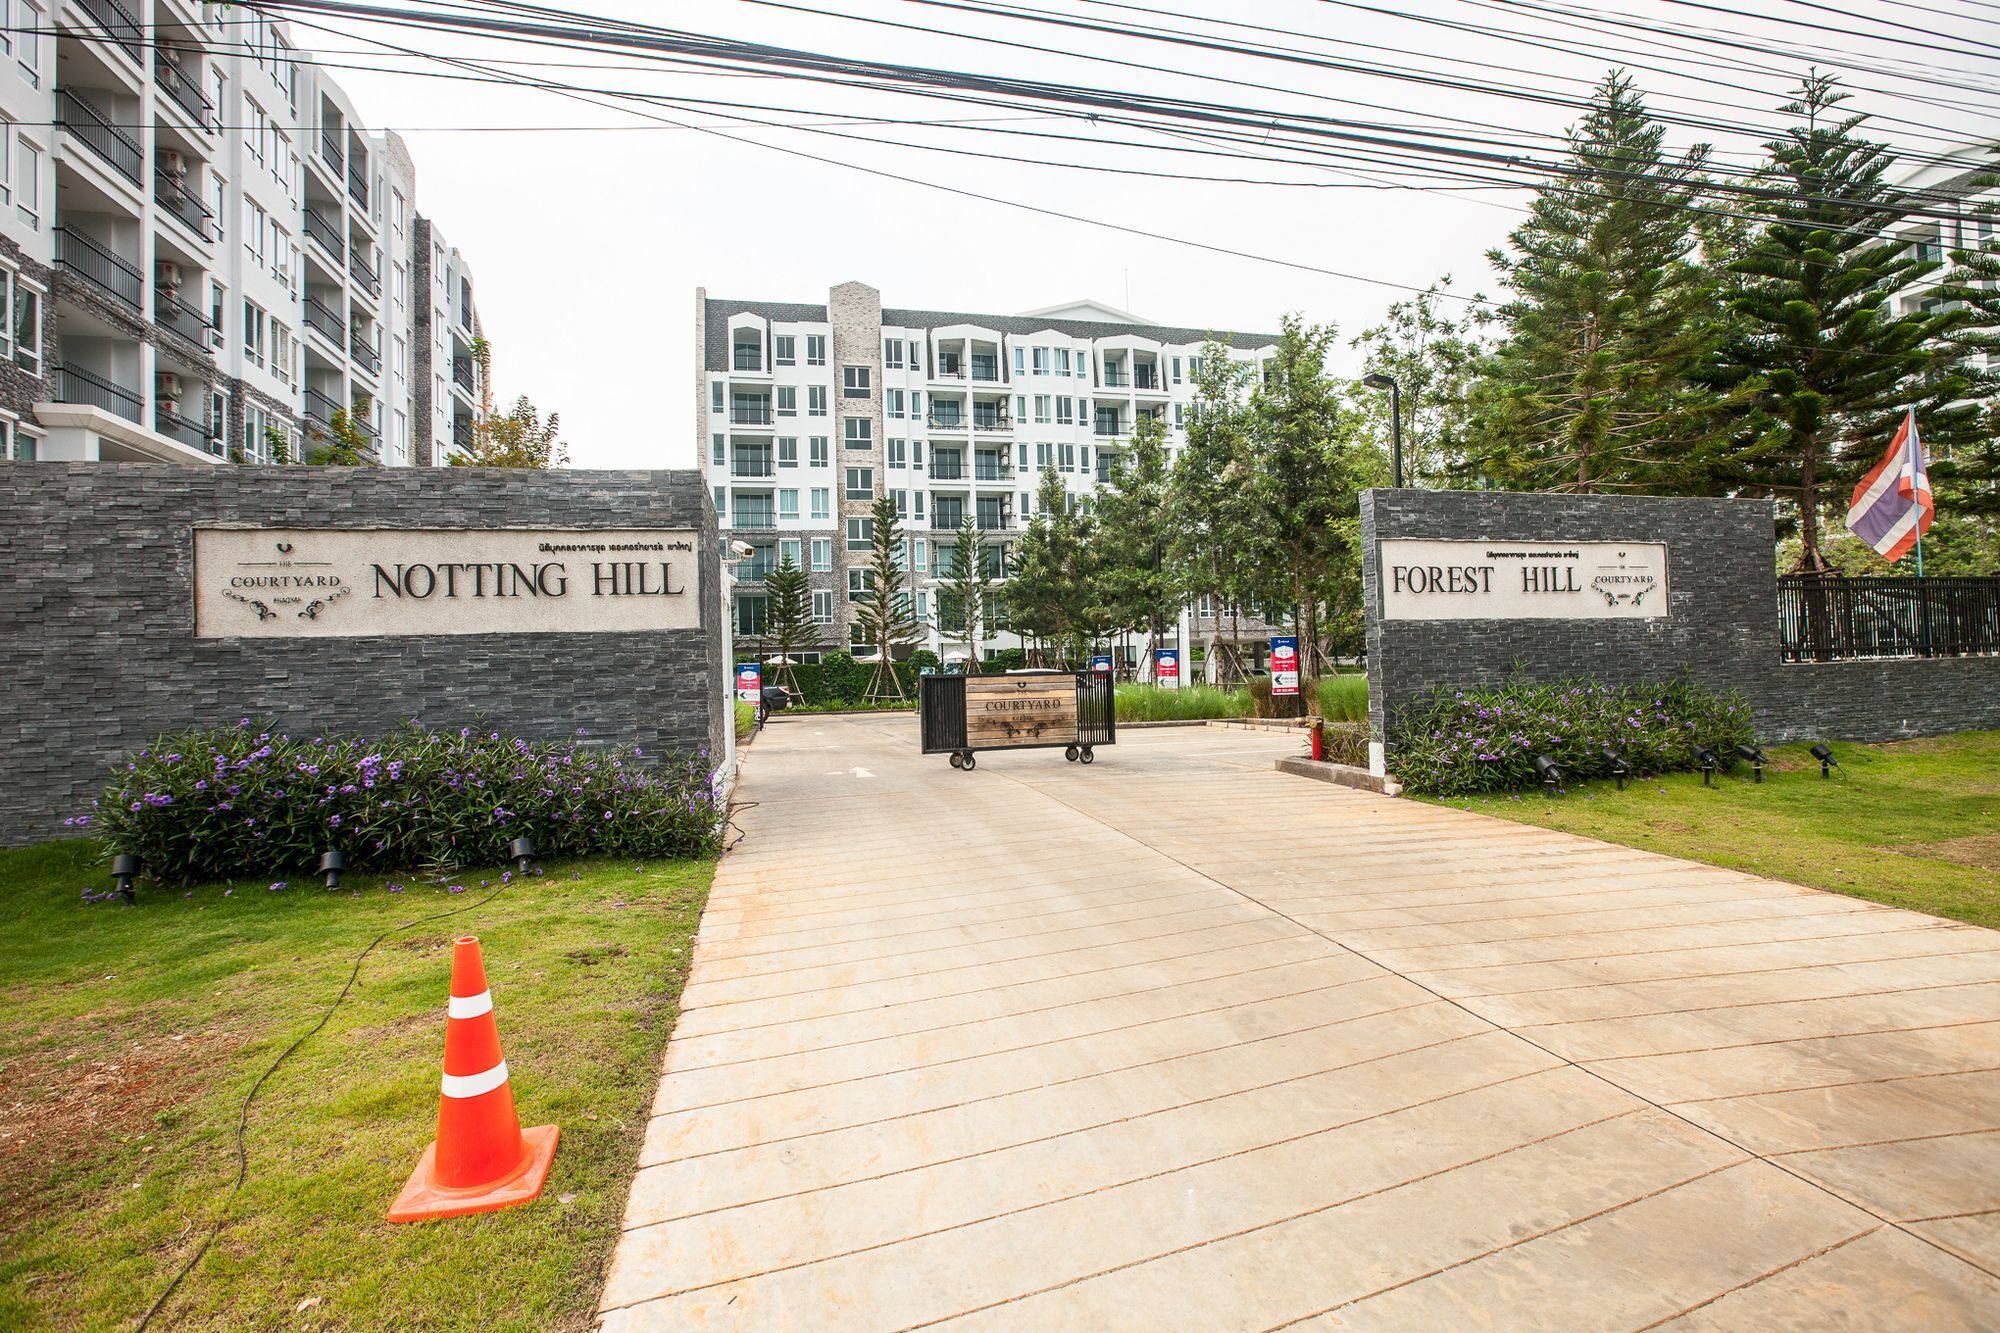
231	802
1456	741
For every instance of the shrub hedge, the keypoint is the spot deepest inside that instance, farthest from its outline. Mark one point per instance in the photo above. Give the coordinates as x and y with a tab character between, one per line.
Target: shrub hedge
227	802
1484	739
838	678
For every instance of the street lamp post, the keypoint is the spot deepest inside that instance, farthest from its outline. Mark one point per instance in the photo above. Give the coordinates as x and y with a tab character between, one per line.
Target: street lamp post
1381	381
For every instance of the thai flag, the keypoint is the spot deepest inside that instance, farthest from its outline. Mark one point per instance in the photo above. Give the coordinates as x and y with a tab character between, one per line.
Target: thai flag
1892	505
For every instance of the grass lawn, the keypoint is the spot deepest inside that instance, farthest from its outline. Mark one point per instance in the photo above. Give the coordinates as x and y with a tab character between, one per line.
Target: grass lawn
1911	823
129	1036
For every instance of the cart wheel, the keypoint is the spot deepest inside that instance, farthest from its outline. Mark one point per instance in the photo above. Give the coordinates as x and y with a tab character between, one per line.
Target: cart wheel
1070	754
971	761
1089	755
957	759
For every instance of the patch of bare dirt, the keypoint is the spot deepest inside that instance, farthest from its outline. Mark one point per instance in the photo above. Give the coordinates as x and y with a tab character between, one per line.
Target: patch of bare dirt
1981	851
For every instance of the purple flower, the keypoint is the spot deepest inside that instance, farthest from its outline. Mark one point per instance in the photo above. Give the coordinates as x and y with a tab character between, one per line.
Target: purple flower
280	885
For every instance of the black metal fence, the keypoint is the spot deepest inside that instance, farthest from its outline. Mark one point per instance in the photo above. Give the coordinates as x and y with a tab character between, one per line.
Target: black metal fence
1831	619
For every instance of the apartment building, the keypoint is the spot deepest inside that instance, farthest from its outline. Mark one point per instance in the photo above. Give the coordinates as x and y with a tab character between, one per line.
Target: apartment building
806	413
206	254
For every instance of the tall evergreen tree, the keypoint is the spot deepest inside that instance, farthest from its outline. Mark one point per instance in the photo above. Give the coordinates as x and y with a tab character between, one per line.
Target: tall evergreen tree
886	620
962	600
788	609
1593	382
1820	340
1136	578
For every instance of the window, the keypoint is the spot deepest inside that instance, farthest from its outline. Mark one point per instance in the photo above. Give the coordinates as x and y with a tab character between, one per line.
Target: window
858	432
1065	411
920	504
822	550
215	308
753	614
1044	456
788	400
1068	459
1082	366
1041	409
1027	505
815	349
28	51
28	183
281	352
815	400
822	502
401	356
1020	360
920	554
253	333
916	355
281	253
892	353
820	454
715	395
6	159
786	353
1062	360
788	451
1024	456
854	382
916	405
898	453
893	402
1020	407
788	503
823	607
718	449
860	483
255	225
27	328
902	499
1041	360
860	536
788	549
1179	417
721	501
1177	370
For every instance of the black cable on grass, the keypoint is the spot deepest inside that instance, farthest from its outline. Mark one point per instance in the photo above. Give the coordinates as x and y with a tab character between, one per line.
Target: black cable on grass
243	1115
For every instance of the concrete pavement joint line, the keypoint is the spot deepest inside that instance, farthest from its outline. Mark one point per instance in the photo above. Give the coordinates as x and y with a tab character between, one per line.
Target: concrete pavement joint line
1884	1143
1019	1013
1545	916
1747	1004
1061	1041
1106	1124
1845	1083
1679	948
1953	1217
1782	1041
1593	1073
1747	1283
1740	972
1135	1180
1588	934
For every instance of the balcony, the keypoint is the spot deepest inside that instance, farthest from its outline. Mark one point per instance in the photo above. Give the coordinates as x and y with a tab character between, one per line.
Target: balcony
946	519
992	522
947	467
746	356
178	317
461	373
363	427
120	23
992	419
1116	379
1146	377
753	466
329	148
370	280
184	94
321	319
753	520
91	261
1107	424
986	368
949	370
461	432
746	414
328	236
357	183
81	118
176	427
320	408
74	384
986	471
947	420
179	201
364	356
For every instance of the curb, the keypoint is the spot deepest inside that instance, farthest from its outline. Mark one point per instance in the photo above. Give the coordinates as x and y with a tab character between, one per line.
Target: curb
1345	775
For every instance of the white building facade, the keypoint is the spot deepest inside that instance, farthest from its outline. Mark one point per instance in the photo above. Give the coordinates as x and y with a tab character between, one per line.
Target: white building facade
207	255
806	413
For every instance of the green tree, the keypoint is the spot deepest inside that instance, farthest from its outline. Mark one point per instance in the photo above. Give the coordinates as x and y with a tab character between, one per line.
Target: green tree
885	617
342	442
1433	356
1053	595
1593	380
518	437
962	601
788	613
1212	510
1820	343
1137	581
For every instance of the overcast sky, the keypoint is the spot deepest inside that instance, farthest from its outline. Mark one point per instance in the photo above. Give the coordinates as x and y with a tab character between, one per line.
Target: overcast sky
589	226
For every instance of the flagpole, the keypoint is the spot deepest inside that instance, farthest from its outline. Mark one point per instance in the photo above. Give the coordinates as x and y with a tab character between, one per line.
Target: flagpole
1916	498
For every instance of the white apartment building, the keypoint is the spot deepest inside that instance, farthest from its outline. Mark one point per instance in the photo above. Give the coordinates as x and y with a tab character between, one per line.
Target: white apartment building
206	254
806	413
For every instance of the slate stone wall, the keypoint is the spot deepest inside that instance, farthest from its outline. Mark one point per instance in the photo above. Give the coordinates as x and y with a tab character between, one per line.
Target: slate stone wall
1722	625
97	643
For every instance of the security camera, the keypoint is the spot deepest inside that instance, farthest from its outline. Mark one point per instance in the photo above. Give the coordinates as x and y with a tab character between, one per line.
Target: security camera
742	550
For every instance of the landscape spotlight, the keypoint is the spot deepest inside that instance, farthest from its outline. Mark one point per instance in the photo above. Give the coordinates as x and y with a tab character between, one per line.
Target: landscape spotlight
1756	758
1709	763
124	869
1826	759
1550	773
331	863
522	850
1620	770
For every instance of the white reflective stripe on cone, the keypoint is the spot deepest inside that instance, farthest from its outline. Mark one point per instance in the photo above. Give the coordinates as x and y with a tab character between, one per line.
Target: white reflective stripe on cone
470	1006
472	1085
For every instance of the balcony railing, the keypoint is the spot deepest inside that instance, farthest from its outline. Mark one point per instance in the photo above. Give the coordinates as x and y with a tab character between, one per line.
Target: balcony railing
1107	425
747	357
985	368
992	420
95	131
174	426
992	522
750	416
370	280
1117	379
178	317
461	432
949	370
363	426
329	148
74	384
1145	378
992	472
947	468
327	235
357	182
753	466
320	408
97	265
321	319
754	519
120	23
948	421
178	200
184	93
461	372
364	356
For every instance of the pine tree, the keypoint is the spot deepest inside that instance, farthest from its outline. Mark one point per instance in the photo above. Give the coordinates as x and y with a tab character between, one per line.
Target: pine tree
1137	582
962	600
1820	342
788	602
1592	386
885	615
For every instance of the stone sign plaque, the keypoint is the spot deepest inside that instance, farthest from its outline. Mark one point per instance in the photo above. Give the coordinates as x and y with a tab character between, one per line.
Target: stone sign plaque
1480	580
1020	710
283	583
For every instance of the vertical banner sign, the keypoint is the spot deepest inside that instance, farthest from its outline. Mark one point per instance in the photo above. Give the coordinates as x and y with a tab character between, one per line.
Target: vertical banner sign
1101	664
1284	664
1167	668
749	682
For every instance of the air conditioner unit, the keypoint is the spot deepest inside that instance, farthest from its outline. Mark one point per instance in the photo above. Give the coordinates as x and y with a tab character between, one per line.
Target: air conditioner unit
174	163
167	385
170	274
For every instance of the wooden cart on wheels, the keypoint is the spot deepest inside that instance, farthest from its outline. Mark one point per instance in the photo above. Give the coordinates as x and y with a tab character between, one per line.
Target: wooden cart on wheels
1073	711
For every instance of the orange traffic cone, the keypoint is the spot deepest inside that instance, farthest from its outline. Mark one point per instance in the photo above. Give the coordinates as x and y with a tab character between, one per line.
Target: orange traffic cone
483	1160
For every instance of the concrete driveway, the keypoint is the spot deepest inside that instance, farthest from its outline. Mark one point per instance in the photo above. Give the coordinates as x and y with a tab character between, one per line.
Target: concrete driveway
1177	1041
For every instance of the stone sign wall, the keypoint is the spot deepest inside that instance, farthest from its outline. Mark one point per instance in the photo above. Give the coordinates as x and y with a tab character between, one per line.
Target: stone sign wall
1469	587
139	599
